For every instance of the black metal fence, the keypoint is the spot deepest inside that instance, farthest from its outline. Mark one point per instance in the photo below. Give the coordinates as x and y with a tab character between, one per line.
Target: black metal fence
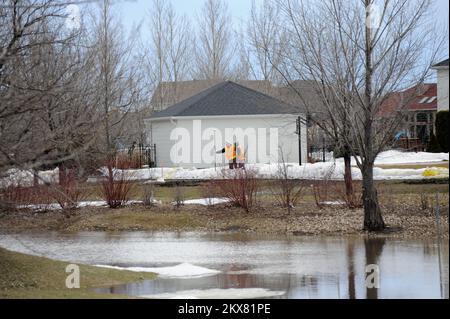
142	155
320	154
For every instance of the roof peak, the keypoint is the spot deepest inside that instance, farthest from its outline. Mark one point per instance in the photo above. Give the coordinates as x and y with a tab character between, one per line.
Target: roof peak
443	63
227	98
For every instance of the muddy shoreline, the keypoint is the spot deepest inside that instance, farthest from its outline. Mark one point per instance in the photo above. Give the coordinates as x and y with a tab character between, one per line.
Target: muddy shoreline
403	220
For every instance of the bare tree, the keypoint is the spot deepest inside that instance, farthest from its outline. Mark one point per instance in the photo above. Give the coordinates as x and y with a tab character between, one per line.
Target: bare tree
66	122
169	56
44	117
275	56
359	52
214	41
287	191
159	54
116	75
179	40
243	69
265	41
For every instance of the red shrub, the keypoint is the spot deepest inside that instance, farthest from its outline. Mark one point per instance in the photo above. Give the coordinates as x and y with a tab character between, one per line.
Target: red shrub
68	192
16	196
116	186
327	192
353	200
239	186
125	161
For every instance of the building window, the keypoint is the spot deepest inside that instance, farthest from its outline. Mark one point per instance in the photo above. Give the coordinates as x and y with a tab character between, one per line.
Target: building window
422	117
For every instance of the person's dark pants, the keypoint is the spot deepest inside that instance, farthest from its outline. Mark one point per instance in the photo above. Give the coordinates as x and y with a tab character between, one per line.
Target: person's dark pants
233	164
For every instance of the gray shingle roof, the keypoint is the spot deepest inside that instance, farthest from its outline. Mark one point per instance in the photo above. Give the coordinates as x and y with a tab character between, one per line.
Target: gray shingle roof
442	63
227	98
169	93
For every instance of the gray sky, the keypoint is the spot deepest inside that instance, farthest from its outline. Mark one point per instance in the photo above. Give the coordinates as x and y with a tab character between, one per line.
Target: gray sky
133	11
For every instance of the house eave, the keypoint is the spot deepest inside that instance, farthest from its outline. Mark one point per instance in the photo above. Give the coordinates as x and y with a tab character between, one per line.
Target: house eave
440	67
233	116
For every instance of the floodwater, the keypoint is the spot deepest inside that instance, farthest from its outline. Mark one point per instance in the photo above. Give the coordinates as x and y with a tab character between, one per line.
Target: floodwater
236	265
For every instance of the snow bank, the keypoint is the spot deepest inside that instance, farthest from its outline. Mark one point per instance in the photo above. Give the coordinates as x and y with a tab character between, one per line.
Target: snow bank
184	270
17	177
333	169
56	206
217	293
206	201
398	157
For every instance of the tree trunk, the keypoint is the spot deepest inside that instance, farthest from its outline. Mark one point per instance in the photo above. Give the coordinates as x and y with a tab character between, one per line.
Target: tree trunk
348	175
35	178
62	174
373	221
372	213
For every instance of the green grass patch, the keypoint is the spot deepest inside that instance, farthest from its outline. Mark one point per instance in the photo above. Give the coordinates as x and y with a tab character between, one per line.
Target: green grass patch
26	276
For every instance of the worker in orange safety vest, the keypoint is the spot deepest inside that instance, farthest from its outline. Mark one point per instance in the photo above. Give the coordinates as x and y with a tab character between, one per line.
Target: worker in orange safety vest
234	155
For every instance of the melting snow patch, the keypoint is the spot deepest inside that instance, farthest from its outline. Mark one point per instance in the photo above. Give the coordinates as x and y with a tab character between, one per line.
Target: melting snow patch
206	201
184	270
338	202
399	157
216	293
95	203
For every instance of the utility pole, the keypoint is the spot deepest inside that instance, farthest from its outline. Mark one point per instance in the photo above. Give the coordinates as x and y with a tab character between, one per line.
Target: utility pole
299	132
323	148
215	150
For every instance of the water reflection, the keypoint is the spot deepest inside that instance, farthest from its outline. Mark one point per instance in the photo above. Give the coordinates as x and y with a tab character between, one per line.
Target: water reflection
301	267
351	271
373	248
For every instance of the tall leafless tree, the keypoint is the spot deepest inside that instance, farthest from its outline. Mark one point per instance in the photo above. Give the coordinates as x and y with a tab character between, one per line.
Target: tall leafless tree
169	57
214	41
273	56
116	75
43	117
265	41
358	53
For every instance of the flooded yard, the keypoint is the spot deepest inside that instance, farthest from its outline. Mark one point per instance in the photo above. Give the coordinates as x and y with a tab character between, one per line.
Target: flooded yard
240	265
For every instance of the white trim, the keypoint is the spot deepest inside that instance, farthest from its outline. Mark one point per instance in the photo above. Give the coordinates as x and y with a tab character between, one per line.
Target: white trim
244	116
440	67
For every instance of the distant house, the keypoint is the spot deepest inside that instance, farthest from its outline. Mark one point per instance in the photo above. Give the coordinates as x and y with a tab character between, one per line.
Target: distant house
418	106
168	93
189	132
442	84
301	93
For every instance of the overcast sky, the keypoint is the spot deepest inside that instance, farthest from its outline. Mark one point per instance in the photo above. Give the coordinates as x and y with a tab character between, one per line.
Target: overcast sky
133	11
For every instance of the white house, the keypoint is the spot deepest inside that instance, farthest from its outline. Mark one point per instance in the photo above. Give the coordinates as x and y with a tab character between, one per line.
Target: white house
442	84
188	133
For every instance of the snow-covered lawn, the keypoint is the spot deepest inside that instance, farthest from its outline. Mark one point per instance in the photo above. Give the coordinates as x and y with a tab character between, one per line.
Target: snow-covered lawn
396	157
333	169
